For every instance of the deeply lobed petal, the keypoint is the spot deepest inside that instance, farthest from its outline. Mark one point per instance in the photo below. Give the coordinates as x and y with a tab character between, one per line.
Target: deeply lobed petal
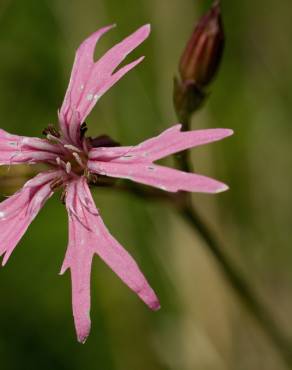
136	163
90	80
16	149
161	177
88	236
170	141
18	211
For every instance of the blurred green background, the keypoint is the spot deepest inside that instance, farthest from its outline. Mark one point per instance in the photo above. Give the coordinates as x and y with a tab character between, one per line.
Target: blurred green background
201	325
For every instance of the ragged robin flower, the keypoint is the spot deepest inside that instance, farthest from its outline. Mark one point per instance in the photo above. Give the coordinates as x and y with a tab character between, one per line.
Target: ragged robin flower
74	161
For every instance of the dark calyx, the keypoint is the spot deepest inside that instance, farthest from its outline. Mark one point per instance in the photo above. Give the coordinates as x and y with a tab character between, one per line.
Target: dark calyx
103	141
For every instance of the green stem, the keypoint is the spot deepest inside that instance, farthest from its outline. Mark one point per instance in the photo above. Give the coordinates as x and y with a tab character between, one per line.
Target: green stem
233	275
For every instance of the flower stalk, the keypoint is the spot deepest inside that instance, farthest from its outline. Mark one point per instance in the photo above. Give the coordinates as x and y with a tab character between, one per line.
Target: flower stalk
198	66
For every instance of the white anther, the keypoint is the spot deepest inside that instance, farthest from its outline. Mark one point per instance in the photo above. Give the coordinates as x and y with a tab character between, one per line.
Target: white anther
68	167
53	138
2	214
60	162
78	159
72	147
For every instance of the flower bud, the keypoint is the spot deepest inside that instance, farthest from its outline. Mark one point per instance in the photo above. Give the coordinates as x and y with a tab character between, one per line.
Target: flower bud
202	55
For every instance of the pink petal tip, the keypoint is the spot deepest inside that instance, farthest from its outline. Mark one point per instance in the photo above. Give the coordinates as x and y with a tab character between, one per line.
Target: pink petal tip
222	189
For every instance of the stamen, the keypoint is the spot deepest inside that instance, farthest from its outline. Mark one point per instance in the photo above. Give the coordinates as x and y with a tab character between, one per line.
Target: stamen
63	196
54	138
68	167
56	183
72	147
92	178
78	159
60	162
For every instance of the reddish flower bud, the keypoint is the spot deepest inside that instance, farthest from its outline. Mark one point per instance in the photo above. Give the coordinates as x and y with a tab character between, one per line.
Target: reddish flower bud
202	55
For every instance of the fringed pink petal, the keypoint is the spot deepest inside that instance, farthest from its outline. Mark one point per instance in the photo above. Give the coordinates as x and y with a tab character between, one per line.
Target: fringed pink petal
136	162
88	236
90	80
81	70
174	140
18	211
170	141
161	177
16	149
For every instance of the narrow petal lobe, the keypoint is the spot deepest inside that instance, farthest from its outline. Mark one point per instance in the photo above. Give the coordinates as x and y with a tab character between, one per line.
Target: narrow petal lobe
136	163
88	236
90	80
18	211
16	149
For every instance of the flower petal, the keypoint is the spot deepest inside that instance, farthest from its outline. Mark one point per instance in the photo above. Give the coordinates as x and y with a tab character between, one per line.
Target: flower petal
174	140
88	236
136	162
170	141
16	149
18	211
90	80
161	177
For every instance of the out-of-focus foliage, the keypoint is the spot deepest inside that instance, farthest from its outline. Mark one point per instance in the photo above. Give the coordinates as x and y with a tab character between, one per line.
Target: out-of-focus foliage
200	325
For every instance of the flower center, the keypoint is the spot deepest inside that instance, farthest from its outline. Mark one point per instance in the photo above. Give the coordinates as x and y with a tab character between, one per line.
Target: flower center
73	159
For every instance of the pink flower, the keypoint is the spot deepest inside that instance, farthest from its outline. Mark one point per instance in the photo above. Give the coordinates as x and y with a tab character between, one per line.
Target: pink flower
73	160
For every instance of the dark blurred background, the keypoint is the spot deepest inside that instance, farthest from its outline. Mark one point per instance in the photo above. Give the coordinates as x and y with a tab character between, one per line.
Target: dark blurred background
201	324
